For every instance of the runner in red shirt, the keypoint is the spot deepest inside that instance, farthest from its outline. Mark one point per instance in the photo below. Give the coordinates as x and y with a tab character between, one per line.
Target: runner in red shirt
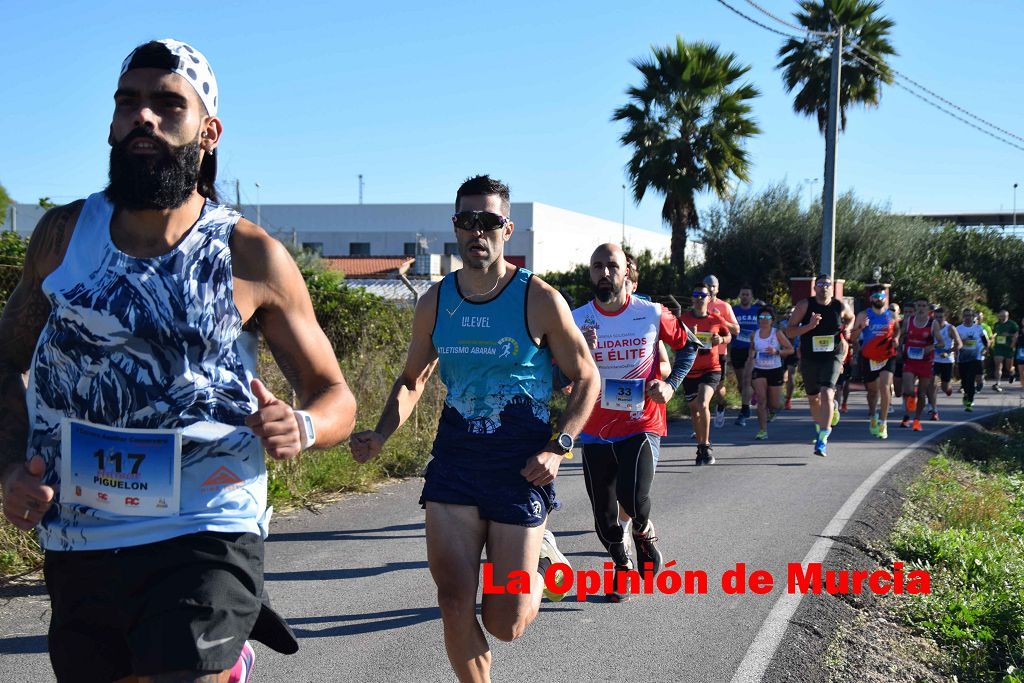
919	334
622	437
723	310
706	373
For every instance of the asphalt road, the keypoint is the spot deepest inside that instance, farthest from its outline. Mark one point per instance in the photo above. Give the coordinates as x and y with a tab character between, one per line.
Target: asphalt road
353	580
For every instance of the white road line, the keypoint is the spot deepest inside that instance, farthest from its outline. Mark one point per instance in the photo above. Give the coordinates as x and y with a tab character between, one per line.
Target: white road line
760	653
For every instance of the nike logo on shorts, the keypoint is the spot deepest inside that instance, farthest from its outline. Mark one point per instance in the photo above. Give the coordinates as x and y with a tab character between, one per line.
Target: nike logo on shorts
203	644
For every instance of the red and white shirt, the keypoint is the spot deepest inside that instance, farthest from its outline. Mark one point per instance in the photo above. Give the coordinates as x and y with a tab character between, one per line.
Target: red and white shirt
627	357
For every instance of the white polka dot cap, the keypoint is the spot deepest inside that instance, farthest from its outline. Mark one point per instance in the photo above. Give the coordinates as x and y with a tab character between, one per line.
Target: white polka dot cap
180	58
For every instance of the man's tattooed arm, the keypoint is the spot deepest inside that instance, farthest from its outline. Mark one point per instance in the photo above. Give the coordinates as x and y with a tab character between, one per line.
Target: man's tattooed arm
23	319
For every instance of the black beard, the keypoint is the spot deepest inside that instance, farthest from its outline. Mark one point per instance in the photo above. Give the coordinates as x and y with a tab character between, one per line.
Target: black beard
877	304
162	181
605	293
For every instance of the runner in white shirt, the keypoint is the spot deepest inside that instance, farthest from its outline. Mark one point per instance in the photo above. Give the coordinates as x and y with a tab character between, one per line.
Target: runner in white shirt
770	346
946	348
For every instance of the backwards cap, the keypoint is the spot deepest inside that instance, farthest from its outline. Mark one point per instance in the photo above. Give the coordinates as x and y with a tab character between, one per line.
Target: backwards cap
180	58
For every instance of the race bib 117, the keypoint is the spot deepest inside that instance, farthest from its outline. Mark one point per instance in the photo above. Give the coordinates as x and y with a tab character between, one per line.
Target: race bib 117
134	472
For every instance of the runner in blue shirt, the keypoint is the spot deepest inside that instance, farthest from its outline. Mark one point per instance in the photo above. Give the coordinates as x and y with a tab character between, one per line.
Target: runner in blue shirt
739	351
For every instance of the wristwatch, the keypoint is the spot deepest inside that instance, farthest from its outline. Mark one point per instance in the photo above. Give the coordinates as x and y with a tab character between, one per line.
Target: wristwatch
565	442
307	432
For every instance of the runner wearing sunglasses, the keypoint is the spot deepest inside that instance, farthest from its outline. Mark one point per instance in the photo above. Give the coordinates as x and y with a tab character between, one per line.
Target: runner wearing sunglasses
769	346
877	335
706	374
820	321
491	330
623	435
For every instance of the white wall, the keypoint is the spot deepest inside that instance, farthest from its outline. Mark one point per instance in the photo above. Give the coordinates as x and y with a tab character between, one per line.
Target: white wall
565	238
549	237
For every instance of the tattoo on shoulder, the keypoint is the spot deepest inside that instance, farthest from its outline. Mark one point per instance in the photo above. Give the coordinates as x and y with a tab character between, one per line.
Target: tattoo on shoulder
28	308
53	229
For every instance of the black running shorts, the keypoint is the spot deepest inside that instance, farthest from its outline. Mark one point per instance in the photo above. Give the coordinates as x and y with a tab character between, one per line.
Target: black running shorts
691	385
944	371
184	604
738	357
775	376
868	375
820	373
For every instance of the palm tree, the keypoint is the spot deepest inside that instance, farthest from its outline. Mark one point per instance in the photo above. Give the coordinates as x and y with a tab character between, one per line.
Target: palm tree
806	63
687	124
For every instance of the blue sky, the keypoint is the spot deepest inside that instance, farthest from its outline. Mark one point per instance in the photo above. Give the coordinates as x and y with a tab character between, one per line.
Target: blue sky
417	96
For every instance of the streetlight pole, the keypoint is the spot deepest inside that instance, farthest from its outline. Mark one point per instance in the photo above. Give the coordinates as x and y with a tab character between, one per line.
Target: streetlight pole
259	213
828	195
1015	206
809	182
624	212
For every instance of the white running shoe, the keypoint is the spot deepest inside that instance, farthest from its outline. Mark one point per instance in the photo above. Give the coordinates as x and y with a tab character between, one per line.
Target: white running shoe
719	421
549	551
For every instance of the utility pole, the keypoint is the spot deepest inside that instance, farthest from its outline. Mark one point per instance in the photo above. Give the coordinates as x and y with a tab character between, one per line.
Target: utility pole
828	194
259	214
360	188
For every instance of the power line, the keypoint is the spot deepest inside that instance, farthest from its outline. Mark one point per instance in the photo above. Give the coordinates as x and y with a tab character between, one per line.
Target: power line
755	21
893	71
802	29
934	94
937	106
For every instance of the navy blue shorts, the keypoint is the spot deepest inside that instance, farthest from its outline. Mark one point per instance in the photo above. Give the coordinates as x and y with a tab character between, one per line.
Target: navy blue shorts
499	496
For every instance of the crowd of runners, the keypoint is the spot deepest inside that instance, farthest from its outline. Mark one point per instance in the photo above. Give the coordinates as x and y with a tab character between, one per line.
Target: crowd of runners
136	449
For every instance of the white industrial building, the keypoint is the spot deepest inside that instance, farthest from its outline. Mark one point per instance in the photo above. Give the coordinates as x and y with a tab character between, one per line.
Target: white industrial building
546	238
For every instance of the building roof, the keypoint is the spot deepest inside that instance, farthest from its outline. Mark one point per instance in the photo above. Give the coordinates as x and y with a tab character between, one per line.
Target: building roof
369	266
973	218
393	290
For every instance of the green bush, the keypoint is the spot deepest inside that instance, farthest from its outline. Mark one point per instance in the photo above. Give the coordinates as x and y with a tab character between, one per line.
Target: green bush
657	278
766	238
990	256
964	524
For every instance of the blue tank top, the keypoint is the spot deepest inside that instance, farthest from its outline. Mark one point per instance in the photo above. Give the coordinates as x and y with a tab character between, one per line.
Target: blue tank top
877	324
149	343
747	319
495	415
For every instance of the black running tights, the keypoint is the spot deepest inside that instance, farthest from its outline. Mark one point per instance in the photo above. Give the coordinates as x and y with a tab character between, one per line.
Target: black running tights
620	472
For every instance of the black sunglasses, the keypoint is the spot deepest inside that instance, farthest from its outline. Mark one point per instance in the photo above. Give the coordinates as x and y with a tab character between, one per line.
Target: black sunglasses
479	220
699	295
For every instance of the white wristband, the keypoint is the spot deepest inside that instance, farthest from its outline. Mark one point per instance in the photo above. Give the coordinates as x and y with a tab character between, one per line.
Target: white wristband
307	430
